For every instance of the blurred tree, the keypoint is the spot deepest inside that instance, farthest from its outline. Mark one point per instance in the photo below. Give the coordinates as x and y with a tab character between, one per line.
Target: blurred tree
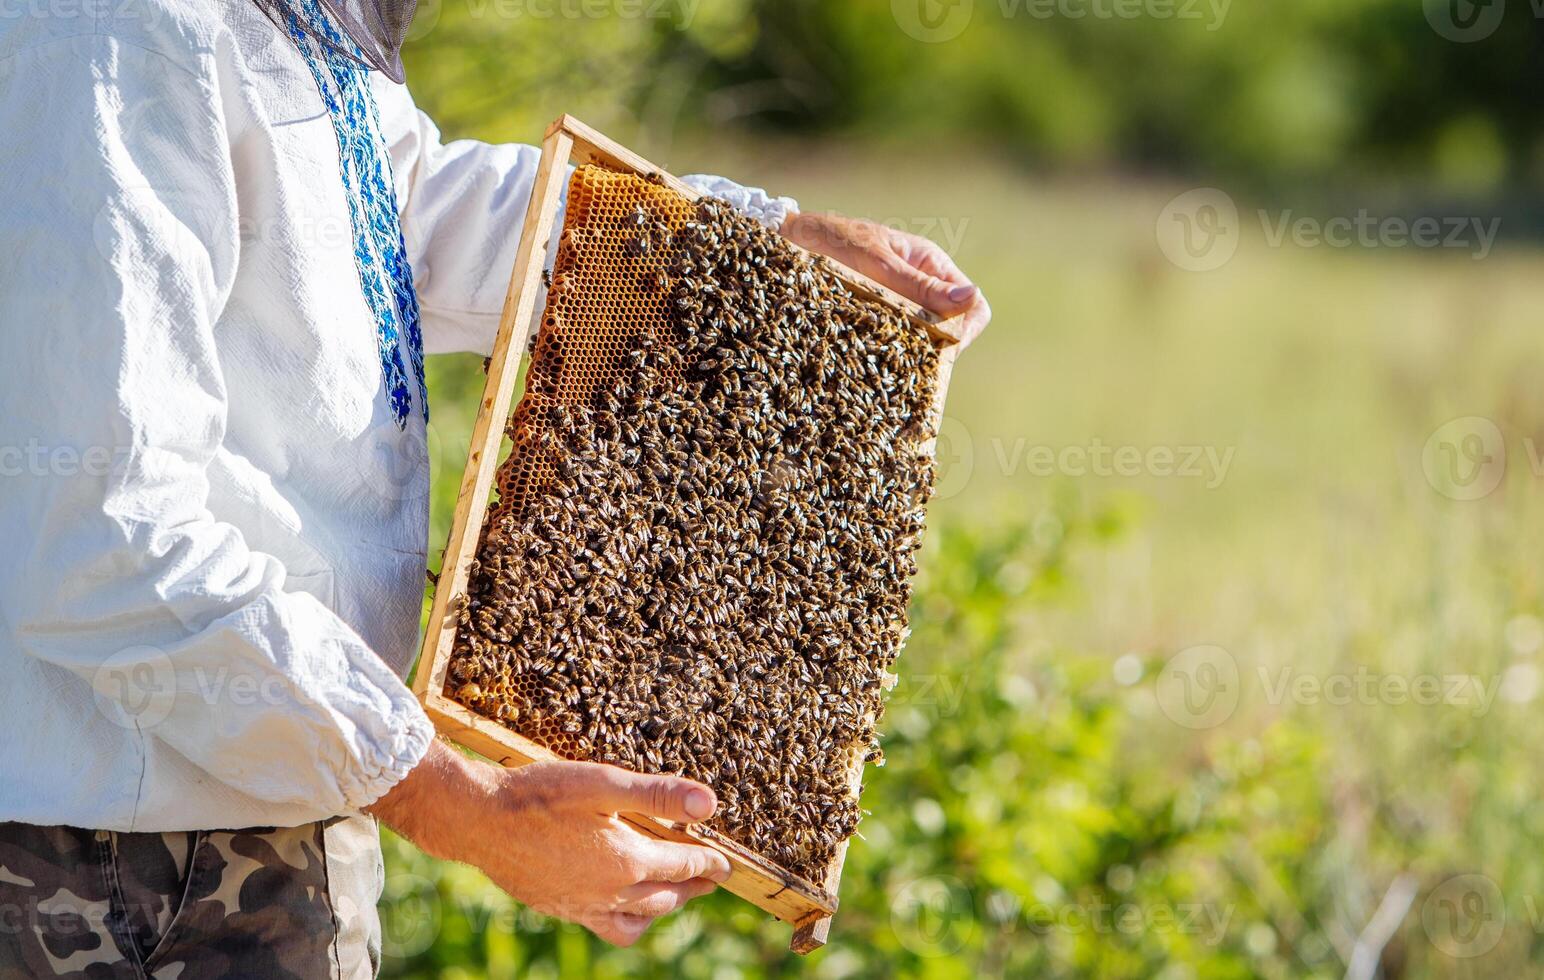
1272	91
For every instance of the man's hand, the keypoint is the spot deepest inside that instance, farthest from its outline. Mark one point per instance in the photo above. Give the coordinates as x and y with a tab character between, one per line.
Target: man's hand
909	264
549	835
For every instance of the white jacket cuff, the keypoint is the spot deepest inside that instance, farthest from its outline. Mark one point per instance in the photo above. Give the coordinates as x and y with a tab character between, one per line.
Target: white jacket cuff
752	202
388	755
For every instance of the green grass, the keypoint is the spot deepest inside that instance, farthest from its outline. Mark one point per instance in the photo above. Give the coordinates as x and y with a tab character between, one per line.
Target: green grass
1037	774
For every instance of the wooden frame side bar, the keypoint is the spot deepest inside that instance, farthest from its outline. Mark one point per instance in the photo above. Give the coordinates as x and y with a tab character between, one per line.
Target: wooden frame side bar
493	412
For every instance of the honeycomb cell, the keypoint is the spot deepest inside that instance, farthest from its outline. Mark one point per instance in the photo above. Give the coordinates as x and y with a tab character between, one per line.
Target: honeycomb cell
594	310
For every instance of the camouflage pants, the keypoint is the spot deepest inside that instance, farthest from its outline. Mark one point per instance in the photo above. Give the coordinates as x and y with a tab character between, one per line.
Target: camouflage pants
285	904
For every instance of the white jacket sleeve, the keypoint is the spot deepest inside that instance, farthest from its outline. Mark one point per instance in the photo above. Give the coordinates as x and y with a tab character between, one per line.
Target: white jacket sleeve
114	268
463	204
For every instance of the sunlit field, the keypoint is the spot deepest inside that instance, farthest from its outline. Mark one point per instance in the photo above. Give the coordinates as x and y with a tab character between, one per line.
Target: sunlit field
1227	648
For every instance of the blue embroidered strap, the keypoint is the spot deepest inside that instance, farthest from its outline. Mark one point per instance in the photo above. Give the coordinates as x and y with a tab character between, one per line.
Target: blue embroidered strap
379	249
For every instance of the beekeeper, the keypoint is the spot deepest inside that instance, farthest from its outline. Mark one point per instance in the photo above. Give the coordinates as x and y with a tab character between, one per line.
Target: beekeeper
227	241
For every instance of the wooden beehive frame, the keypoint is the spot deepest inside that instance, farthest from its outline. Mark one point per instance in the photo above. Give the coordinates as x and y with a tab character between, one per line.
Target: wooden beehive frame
807	906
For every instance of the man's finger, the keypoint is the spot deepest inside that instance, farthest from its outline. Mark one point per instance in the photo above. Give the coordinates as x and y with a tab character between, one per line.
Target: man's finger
668	861
613	790
930	291
654	899
932	259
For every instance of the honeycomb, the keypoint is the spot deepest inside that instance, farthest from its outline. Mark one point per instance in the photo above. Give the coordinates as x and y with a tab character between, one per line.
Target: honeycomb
699	560
607	292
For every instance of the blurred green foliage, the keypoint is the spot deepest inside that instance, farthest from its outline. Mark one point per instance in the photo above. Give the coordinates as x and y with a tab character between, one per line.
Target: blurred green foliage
1276	92
1040	814
1008	835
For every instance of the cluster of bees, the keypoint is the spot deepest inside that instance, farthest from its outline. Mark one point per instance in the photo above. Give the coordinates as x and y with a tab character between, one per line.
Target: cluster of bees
712	580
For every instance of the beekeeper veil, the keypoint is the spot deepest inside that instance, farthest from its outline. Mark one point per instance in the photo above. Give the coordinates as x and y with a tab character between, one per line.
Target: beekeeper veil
377	28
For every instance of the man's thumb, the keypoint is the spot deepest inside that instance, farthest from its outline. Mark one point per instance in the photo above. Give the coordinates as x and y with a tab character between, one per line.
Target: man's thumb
614	790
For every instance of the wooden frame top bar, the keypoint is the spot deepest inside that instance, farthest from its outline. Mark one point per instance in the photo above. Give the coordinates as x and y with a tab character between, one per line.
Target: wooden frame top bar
591	146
